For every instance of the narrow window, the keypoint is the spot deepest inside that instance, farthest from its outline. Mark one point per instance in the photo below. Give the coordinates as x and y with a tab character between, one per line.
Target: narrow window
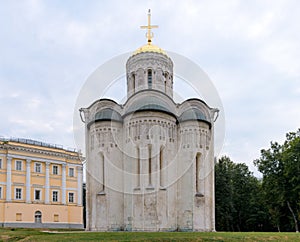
55	196
18	194
56	218
150	166
102	173
37	195
71	197
71	172
149	79
19	165
38	167
55	170
0	163
138	167
0	192
18	216
198	168
161	166
133	82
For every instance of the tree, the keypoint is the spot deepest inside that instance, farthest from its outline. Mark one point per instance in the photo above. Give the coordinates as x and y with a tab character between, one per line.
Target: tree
280	166
238	203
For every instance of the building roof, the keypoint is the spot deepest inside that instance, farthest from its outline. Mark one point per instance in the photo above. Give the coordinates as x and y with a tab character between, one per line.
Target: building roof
149	48
107	114
149	103
193	114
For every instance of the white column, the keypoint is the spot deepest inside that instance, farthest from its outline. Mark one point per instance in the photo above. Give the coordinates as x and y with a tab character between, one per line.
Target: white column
8	179
47	184
63	184
79	186
28	190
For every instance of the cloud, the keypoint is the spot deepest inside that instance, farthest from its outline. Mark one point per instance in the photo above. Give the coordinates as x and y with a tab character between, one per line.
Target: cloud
249	49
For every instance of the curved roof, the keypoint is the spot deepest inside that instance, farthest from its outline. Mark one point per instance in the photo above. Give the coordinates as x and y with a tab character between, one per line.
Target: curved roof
193	114
107	114
149	48
149	103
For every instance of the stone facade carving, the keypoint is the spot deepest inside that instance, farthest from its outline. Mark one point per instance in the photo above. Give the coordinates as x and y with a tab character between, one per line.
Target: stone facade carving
150	161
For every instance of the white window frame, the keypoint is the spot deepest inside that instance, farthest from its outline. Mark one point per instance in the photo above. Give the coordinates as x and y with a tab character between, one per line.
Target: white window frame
73	171
57	170
73	197
36	164
21	195
57	196
40	195
16	166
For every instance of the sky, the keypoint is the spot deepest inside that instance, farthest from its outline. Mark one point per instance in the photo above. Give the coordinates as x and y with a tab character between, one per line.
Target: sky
249	49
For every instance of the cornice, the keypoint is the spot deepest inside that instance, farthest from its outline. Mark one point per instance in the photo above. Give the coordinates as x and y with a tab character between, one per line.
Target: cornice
38	151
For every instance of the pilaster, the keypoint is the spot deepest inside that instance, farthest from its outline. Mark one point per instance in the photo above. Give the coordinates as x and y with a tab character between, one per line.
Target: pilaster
63	183
79	186
28	197
47	183
8	179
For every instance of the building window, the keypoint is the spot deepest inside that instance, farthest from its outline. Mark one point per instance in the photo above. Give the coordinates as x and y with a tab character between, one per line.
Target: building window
37	195
0	192
18	165
56	218
18	193
55	196
133	82
71	172
71	197
149	79
37	217
0	163
55	170
18	216
38	167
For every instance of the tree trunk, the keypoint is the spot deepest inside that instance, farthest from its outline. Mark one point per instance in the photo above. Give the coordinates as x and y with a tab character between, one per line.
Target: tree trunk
278	227
294	217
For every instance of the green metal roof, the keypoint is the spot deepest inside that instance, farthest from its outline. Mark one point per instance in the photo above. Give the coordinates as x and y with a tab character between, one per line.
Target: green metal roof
193	114
149	103
107	114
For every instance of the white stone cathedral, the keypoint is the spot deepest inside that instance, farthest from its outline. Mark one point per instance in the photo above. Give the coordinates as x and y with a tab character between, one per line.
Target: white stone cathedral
150	161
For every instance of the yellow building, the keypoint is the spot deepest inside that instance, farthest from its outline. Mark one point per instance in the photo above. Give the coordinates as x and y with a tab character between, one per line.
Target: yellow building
40	185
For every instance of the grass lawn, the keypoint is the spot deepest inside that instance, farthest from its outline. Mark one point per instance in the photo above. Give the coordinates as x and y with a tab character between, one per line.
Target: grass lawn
71	236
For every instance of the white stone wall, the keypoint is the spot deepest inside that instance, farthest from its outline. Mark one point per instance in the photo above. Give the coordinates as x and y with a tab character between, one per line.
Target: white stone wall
150	172
150	141
137	68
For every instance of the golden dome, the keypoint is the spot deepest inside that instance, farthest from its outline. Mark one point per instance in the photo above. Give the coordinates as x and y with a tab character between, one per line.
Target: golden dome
149	35
149	48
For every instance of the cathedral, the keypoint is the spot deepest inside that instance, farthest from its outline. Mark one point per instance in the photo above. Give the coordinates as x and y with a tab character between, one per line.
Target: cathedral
150	161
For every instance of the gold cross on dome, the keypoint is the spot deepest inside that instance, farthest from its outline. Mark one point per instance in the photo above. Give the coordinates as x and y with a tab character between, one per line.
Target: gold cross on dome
149	34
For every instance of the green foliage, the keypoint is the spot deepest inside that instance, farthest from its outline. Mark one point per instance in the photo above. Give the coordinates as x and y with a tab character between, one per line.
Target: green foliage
280	166
244	203
238	202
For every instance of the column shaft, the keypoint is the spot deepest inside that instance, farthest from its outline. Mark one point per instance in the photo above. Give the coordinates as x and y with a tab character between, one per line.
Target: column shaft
63	182
28	190
79	186
8	179
47	184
